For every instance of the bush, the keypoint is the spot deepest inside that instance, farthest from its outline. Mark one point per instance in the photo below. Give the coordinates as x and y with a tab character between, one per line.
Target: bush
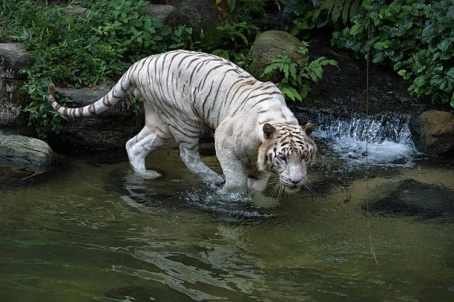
82	50
297	76
415	37
234	42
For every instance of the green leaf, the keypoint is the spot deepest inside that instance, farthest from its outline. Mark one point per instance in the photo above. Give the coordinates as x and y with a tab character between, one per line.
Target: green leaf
444	46
381	45
450	73
356	29
420	81
290	92
378	57
402	72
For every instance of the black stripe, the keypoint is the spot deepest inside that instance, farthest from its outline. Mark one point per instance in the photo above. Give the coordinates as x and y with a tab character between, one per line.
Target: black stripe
202	84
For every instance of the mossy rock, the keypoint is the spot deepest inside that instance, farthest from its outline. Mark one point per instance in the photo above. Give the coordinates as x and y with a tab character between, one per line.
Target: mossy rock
267	47
25	149
433	132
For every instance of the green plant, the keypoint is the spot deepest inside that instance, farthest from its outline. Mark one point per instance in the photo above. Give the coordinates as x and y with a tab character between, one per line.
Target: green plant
41	117
297	16
334	11
250	11
234	42
415	37
82	50
297	76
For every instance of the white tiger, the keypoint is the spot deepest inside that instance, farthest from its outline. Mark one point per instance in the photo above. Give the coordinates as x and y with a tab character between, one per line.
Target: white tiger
187	94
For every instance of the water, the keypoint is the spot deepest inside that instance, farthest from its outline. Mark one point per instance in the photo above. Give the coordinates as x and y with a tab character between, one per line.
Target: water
384	138
90	231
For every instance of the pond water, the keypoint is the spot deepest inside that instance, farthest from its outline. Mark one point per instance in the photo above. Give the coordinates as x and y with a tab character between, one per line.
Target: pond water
90	231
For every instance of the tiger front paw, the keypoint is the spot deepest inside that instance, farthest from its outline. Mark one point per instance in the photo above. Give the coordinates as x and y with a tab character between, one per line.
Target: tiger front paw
149	174
212	178
231	189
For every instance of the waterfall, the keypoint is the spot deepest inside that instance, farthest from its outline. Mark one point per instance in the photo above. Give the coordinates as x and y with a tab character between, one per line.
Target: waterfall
387	135
375	129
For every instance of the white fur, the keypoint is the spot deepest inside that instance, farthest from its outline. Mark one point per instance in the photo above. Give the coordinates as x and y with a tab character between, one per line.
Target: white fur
187	94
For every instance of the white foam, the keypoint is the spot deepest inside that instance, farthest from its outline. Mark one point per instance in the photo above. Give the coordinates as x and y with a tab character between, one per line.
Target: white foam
387	153
388	139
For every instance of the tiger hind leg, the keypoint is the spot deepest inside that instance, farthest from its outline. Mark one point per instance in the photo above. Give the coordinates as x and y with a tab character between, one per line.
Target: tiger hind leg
140	145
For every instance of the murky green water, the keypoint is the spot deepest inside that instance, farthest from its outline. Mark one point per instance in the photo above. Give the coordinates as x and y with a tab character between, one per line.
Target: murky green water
91	231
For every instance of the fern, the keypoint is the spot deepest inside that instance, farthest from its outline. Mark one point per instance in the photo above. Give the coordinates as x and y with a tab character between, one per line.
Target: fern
283	64
315	68
290	92
337	9
292	85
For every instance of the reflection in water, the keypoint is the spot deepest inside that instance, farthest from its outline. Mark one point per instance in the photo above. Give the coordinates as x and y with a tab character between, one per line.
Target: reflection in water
95	232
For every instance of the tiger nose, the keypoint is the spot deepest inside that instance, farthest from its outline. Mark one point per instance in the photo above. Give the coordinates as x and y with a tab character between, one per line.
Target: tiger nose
295	181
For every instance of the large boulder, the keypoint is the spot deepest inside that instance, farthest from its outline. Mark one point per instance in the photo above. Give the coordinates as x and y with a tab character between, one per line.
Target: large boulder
198	14
13	58
433	132
159	11
268	46
109	129
18	148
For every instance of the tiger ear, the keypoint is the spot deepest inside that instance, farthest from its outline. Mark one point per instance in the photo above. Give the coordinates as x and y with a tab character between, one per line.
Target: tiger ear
308	128
268	131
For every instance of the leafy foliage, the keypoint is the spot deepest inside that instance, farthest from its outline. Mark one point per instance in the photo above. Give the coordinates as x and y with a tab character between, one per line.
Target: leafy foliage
235	43
298	17
338	10
415	37
297	76
42	118
248	10
82	50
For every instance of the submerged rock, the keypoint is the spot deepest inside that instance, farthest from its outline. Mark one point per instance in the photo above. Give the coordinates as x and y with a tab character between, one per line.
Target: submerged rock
433	132
416	199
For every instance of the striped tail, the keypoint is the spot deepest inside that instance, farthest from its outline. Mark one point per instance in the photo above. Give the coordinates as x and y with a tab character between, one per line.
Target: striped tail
111	98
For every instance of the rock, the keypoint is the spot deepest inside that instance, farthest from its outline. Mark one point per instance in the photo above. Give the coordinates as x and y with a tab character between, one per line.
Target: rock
198	14
13	58
18	148
159	11
433	132
268	46
416	199
75	10
110	129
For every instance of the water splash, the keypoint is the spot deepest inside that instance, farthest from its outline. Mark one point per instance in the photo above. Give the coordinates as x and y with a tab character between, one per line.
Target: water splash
203	196
387	135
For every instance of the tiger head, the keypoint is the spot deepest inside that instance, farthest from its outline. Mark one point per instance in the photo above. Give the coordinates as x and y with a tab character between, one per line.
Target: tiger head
287	151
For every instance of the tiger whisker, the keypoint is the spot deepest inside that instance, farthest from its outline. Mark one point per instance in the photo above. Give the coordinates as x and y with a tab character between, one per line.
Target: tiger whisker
276	184
309	188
